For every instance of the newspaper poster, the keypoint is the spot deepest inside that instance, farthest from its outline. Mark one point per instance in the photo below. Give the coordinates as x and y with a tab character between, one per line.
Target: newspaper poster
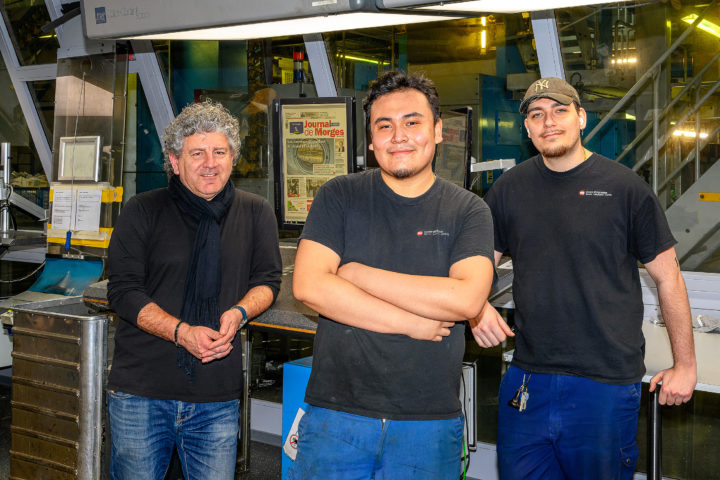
314	141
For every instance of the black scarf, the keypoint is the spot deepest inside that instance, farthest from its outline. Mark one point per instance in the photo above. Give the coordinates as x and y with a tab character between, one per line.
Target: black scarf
202	283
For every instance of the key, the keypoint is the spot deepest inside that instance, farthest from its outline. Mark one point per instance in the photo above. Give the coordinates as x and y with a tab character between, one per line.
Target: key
523	400
515	402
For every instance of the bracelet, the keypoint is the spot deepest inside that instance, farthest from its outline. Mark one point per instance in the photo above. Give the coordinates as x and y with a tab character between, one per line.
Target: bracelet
244	314
177	327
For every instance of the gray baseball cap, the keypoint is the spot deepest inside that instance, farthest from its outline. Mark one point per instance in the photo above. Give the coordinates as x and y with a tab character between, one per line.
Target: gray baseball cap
550	87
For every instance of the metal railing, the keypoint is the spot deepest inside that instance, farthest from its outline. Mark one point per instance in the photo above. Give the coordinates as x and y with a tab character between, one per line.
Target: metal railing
662	116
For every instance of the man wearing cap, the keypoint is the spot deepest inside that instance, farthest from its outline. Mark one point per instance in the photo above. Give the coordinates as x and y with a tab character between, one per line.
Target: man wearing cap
576	224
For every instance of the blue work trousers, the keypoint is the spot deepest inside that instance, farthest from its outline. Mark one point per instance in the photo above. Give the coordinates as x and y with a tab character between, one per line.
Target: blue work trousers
334	445
144	432
572	428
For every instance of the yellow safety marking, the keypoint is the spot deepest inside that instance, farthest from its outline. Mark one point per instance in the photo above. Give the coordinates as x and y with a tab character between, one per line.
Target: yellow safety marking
83	241
709	196
109	195
278	327
97	300
112	195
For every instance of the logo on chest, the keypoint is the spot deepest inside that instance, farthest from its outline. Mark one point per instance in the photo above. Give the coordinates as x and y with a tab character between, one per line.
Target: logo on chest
432	233
594	193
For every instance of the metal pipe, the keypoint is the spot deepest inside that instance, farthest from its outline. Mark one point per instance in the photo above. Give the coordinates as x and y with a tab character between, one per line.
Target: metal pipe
92	357
242	464
656	127
655	440
4	187
697	136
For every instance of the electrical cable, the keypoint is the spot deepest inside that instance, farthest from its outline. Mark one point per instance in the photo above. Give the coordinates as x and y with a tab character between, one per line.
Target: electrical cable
466	431
26	276
12	217
10	212
81	105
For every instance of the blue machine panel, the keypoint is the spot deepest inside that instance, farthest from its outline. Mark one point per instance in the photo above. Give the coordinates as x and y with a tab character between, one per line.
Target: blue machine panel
295	377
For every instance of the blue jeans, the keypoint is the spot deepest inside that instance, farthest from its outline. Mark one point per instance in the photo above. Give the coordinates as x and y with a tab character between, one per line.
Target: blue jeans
144	432
572	428
337	445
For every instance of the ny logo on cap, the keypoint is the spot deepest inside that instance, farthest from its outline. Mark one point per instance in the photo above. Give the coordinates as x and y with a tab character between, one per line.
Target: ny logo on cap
542	84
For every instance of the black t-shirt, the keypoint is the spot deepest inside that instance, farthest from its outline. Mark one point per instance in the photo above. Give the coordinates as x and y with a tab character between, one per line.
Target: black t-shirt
385	375
147	262
575	239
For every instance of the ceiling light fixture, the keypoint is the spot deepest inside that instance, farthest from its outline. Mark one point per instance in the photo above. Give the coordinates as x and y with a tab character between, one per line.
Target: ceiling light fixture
360	59
233	20
494	6
705	25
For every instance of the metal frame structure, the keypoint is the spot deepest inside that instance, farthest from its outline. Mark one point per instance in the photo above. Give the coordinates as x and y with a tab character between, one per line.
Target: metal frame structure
153	82
20	77
320	65
547	44
146	65
73	43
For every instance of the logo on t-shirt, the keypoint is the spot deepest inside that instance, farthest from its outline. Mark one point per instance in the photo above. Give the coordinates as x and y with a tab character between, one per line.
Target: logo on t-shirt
594	193
432	233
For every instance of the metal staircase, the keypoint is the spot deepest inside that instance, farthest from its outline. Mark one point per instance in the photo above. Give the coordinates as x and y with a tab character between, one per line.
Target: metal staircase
682	168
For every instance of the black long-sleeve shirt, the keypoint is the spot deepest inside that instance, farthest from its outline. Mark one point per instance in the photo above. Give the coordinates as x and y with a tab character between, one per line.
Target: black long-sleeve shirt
148	259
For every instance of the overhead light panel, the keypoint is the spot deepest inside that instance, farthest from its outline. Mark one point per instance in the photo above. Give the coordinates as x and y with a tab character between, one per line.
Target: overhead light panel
705	25
489	6
298	26
233	20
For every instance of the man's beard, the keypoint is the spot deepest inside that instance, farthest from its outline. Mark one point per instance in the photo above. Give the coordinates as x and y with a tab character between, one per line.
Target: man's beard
402	173
557	151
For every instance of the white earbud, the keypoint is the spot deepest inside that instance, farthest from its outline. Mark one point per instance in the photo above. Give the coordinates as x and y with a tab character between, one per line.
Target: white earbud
581	121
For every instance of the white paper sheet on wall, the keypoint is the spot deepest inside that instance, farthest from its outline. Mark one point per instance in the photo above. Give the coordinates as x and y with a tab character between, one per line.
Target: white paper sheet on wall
76	209
63	209
87	213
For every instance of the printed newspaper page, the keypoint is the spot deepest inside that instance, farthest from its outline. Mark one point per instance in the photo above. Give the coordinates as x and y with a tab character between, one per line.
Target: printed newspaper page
314	151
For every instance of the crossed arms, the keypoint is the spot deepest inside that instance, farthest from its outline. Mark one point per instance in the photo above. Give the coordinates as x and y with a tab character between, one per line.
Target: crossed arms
421	307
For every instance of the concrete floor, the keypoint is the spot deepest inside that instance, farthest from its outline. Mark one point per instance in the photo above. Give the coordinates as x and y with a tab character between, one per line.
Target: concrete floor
264	459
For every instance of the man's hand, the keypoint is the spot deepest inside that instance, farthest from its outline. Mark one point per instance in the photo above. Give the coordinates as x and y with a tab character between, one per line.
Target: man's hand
433	330
489	328
205	343
197	340
677	385
230	322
